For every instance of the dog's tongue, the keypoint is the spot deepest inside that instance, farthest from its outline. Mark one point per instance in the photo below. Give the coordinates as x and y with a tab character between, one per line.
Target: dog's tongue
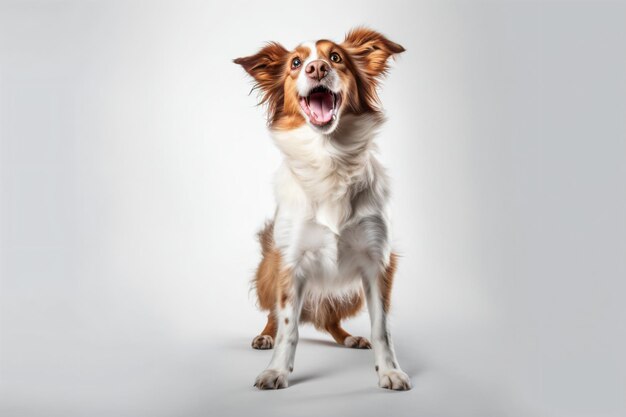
321	105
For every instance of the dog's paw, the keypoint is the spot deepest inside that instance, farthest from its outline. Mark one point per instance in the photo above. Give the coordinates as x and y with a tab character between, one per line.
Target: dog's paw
271	379
263	342
357	342
394	379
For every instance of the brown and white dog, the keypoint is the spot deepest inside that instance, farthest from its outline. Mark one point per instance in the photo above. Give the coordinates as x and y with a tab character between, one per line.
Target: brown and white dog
328	246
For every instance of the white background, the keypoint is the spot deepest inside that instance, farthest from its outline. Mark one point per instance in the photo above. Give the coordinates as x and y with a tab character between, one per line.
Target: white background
135	170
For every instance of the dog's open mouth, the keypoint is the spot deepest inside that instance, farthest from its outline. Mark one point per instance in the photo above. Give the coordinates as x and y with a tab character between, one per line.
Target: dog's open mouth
321	105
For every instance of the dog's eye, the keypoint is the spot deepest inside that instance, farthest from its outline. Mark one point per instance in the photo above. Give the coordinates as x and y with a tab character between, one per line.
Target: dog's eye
295	63
335	57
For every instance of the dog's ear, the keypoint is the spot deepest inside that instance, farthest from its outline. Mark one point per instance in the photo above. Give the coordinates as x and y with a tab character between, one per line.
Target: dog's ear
266	66
370	50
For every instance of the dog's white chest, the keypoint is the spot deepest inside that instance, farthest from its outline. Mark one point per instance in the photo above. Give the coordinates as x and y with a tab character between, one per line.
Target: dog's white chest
320	186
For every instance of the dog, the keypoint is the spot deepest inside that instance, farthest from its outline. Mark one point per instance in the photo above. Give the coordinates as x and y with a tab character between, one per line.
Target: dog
327	248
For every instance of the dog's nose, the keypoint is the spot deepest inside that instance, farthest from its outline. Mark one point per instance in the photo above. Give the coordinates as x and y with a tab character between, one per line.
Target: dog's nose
317	69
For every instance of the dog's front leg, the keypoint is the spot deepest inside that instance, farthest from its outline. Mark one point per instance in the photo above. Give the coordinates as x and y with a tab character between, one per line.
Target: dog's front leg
377	287
287	313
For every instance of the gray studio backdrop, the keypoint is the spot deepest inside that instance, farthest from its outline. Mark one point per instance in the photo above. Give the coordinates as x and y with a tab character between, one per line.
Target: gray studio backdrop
135	170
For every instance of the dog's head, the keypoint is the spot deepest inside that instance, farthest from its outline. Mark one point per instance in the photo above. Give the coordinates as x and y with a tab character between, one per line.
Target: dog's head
318	82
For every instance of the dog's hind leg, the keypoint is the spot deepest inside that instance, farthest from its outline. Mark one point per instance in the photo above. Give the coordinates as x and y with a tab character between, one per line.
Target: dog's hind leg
331	312
266	339
346	339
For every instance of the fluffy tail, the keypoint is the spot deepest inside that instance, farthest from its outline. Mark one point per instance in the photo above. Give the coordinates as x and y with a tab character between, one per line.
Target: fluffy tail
266	237
266	277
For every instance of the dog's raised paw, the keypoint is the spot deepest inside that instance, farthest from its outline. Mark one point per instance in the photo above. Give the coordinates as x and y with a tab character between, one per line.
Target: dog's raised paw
394	379
357	342
263	342
271	379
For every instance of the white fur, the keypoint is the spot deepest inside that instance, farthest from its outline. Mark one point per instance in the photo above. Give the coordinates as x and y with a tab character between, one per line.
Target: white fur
303	82
332	230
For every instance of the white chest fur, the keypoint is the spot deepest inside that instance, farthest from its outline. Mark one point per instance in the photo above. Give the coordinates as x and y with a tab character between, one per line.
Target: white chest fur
332	195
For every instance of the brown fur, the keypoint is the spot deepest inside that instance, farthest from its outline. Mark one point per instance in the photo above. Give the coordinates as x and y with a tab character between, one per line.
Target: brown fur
270	327
268	67
266	280
367	53
337	332
273	280
331	311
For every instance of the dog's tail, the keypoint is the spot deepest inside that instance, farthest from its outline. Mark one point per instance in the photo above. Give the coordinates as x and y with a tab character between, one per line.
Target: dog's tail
264	281
266	237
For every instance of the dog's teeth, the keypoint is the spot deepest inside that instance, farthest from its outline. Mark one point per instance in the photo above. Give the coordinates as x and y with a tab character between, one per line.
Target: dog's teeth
334	117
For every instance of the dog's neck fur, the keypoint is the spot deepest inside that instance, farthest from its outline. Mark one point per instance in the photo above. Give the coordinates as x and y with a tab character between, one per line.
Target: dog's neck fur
332	169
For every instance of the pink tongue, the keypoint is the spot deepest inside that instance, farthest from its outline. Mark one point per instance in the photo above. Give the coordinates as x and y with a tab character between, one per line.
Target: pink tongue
321	105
